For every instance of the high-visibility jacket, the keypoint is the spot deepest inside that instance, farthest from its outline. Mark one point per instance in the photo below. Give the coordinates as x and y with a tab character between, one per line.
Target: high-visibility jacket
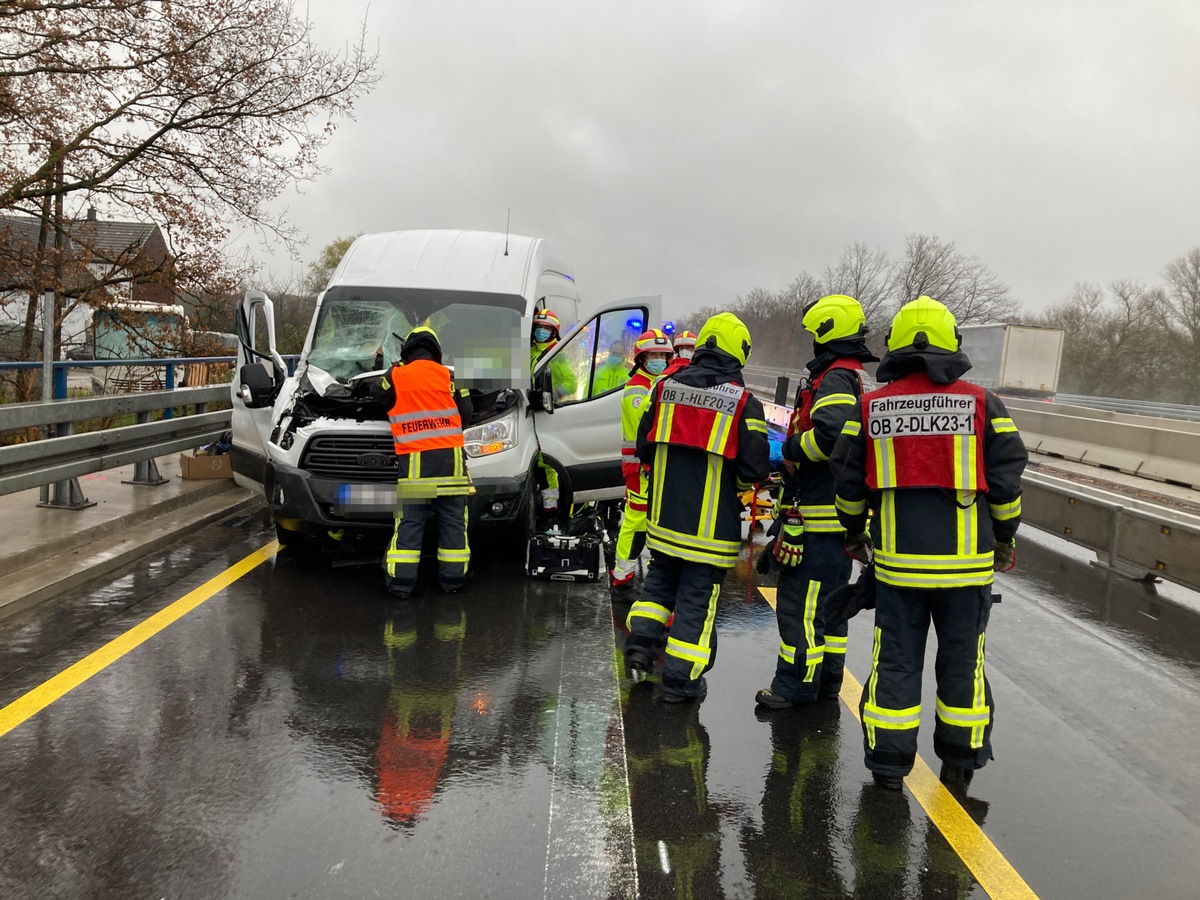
938	509
823	405
704	437
427	430
634	401
562	376
610	374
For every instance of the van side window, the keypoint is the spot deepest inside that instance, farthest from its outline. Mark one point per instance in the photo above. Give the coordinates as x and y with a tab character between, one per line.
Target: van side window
597	359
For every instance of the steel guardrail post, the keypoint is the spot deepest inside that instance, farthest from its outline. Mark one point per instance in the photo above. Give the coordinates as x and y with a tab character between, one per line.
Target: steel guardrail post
65	494
145	471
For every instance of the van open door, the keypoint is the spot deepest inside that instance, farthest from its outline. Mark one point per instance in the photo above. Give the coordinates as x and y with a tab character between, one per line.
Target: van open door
259	374
576	402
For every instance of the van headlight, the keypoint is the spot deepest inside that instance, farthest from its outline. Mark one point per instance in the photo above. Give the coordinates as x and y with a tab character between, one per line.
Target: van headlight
492	437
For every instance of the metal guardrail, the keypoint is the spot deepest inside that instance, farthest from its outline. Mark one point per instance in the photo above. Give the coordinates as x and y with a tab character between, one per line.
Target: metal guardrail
61	459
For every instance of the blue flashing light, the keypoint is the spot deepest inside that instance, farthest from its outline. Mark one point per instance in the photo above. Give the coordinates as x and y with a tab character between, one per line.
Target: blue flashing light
635	324
669	327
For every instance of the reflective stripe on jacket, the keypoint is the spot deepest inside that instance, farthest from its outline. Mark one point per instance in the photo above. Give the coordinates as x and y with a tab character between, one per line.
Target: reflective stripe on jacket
425	415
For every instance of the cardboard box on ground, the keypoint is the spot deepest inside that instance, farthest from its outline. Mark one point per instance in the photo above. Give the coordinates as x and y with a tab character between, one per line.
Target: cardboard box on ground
202	465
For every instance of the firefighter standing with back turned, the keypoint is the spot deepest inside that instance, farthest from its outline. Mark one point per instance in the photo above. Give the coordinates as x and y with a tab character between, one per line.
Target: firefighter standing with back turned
651	354
704	438
808	547
940	462
427	418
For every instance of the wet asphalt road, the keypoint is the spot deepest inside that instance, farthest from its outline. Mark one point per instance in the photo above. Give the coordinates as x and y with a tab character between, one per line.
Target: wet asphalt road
298	735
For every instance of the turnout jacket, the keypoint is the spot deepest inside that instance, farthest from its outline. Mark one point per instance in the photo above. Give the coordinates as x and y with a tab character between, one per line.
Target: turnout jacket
824	405
427	416
939	461
694	510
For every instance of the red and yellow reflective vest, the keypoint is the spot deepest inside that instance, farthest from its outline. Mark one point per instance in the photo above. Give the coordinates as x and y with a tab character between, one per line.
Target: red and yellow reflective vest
425	416
802	416
923	434
705	418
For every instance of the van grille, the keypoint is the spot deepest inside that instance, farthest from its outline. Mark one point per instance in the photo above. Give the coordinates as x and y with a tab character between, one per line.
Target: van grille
365	457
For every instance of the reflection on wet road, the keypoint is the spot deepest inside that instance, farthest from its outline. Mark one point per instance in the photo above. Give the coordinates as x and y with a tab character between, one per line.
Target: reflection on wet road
298	735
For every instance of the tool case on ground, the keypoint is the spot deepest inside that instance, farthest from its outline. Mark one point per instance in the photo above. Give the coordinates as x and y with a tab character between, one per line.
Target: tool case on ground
574	556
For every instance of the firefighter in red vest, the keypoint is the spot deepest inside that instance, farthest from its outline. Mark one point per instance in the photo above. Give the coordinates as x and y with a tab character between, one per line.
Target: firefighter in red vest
685	348
651	353
705	439
809	539
427	418
939	462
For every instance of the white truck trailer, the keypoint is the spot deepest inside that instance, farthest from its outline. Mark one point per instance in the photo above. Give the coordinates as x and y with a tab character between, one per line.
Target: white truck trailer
1022	360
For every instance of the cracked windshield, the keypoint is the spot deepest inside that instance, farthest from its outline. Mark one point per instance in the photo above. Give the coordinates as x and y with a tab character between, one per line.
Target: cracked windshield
361	330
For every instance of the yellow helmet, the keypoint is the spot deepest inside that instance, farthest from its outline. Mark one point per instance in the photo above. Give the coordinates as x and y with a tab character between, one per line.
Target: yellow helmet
422	336
924	316
725	331
835	317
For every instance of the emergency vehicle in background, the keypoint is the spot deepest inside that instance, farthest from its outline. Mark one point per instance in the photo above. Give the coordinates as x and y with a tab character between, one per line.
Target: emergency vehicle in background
321	449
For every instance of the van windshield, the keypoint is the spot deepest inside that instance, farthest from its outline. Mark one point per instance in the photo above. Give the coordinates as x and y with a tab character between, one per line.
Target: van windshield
362	329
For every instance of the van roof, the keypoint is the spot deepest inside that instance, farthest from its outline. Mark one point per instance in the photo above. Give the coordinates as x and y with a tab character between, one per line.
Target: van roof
444	260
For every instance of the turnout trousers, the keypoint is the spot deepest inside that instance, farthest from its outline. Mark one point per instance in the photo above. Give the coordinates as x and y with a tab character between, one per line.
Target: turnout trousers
690	591
631	540
891	699
404	552
812	655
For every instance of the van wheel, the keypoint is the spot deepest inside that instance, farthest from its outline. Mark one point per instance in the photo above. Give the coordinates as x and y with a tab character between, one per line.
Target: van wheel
295	543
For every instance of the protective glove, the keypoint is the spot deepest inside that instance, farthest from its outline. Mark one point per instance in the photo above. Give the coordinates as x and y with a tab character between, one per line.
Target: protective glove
860	548
1005	556
789	546
843	603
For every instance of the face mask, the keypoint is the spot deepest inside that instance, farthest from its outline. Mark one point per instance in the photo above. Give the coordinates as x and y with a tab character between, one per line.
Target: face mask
686	353
541	335
656	366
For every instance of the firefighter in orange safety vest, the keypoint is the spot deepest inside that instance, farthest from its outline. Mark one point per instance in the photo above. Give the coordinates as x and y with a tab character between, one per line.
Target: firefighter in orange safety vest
705	439
427	418
651	353
809	538
939	462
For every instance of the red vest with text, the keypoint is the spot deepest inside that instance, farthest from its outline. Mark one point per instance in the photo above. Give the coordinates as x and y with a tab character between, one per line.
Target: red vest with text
425	416
923	434
802	417
702	417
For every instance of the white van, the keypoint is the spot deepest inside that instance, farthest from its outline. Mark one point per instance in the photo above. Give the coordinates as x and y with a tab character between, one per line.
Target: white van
322	450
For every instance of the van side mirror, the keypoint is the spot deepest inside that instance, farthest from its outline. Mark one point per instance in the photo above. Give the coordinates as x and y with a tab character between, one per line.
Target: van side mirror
541	398
257	389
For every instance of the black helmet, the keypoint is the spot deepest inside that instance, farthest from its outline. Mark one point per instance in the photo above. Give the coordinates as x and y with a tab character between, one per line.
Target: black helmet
421	336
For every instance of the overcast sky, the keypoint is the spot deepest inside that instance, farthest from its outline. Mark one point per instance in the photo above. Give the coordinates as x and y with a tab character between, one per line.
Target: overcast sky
699	150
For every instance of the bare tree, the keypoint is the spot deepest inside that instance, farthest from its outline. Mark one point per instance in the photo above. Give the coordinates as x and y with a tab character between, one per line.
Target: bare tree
866	275
188	114
934	268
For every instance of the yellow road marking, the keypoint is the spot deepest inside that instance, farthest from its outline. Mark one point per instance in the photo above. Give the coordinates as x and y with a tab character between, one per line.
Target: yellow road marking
993	872
30	704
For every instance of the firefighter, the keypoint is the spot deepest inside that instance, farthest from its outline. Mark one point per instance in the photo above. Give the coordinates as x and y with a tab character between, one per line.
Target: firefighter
651	352
427	417
613	373
685	347
542	340
808	544
939	462
704	438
